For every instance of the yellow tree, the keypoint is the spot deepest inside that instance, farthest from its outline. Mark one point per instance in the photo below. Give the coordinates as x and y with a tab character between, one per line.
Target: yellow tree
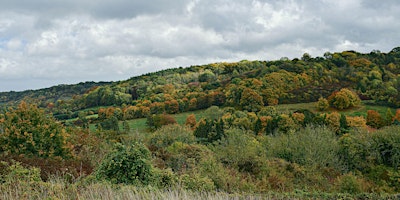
251	100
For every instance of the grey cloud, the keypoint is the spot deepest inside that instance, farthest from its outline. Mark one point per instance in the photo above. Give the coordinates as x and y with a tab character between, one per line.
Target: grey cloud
72	41
97	8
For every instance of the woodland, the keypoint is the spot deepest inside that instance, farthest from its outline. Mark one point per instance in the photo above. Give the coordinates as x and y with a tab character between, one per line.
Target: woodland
312	127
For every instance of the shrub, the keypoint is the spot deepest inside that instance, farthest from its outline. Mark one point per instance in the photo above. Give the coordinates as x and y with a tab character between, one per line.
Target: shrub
13	172
156	121
313	146
167	135
240	150
196	182
129	165
351	184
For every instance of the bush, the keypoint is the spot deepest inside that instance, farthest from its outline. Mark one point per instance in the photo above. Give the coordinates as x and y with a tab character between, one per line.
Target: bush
157	121
167	135
13	172
313	146
240	150
196	182
322	104
129	165
351	184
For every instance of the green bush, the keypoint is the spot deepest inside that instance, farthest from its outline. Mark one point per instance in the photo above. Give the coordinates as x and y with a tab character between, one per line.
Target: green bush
130	165
196	182
239	149
15	172
312	146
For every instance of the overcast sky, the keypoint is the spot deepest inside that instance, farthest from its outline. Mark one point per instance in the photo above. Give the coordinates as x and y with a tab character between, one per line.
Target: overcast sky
50	42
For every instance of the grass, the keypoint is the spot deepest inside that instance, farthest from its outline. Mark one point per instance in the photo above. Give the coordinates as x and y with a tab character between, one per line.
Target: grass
139	125
57	188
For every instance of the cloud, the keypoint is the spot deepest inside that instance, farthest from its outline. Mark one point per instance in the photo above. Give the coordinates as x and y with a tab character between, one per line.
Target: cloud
52	42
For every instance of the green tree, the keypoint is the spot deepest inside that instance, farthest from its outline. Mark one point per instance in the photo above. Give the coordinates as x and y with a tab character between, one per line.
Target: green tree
29	131
389	117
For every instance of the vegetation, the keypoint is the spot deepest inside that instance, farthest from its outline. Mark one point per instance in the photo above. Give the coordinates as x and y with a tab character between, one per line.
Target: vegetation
324	128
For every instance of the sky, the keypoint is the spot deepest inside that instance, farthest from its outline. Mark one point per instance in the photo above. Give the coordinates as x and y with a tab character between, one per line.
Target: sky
50	42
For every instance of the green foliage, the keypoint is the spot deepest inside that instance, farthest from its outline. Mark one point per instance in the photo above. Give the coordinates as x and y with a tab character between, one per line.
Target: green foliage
349	183
15	172
208	131
126	164
29	131
197	183
365	151
313	146
110	124
239	149
187	157
167	135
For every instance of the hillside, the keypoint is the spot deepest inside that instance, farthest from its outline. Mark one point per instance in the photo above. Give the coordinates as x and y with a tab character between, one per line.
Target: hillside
324	127
373	76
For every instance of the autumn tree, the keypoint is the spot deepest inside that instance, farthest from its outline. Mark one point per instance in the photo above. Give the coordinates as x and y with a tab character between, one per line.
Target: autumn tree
344	99
27	130
374	119
251	100
191	121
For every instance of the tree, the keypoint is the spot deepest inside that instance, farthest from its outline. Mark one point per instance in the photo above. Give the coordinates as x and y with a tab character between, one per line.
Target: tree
191	121
374	119
344	99
389	117
29	131
344	127
110	124
251	100
333	121
258	126
322	104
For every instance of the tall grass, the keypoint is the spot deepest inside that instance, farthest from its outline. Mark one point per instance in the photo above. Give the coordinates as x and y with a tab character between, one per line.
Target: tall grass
57	189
